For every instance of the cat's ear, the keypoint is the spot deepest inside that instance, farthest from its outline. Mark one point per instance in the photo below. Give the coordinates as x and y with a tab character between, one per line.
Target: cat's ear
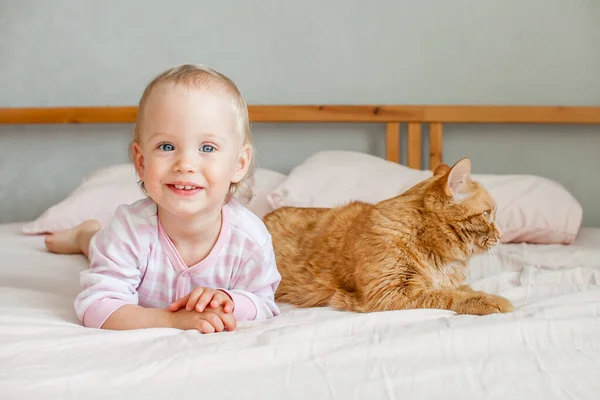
441	170
457	180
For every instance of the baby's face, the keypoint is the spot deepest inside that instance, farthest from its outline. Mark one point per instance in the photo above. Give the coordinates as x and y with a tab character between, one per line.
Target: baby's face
190	149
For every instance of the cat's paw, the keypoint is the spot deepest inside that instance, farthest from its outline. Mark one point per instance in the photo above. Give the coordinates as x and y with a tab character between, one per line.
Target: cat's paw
484	304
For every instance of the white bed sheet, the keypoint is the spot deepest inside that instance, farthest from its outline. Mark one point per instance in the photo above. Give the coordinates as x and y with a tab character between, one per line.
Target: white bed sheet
549	348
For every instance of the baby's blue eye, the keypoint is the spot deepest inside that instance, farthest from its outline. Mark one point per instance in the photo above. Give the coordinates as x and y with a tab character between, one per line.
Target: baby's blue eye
166	147
207	148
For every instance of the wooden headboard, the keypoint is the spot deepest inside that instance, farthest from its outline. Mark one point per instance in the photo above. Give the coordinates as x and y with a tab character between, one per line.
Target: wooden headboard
391	115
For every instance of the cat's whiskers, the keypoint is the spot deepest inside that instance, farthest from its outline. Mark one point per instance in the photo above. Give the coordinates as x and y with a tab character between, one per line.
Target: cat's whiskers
491	254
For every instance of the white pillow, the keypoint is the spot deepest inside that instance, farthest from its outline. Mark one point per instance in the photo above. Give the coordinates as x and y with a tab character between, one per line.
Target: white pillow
331	178
100	193
530	208
265	180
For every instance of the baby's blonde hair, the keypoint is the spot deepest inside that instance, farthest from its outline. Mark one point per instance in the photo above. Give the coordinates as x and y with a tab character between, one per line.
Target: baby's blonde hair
202	77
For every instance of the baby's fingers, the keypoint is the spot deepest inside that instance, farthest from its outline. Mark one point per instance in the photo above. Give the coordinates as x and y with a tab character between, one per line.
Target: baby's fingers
222	299
195	297
179	304
229	322
204	300
226	303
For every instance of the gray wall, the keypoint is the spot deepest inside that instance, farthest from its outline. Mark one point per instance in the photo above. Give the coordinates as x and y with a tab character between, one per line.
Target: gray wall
539	52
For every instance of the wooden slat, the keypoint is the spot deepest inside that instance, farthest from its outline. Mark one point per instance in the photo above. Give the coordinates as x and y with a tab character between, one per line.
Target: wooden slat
414	145
392	141
68	115
329	113
435	145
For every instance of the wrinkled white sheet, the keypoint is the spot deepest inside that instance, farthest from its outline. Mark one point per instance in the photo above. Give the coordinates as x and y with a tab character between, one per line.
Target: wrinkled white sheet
549	348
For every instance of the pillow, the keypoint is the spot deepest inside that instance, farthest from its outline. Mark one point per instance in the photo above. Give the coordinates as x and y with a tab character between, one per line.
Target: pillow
265	180
100	193
531	209
97	197
331	178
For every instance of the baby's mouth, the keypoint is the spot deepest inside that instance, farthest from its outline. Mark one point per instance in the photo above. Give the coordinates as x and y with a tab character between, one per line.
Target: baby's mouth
185	187
184	190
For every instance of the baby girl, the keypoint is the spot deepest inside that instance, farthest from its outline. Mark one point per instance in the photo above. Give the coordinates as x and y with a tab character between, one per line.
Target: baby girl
189	255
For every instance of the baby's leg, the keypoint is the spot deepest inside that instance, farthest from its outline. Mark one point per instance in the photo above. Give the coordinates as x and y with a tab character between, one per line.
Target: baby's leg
73	241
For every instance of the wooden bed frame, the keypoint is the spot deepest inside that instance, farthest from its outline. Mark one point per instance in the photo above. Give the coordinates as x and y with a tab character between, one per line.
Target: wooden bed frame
391	115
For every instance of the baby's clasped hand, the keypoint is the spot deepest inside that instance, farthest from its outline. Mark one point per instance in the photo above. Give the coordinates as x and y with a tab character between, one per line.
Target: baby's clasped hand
216	318
201	297
210	321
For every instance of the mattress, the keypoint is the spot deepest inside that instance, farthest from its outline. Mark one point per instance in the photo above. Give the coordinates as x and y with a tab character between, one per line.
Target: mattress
548	348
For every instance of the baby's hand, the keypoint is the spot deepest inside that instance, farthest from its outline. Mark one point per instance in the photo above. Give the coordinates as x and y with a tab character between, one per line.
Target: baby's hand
201	297
210	321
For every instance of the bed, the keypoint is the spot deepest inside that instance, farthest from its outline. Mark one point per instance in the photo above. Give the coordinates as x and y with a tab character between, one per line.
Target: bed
548	348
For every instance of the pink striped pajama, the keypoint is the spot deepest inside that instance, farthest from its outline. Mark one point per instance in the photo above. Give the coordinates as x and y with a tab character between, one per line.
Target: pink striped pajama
133	261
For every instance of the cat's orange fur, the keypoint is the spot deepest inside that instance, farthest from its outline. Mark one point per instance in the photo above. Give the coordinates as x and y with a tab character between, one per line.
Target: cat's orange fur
410	251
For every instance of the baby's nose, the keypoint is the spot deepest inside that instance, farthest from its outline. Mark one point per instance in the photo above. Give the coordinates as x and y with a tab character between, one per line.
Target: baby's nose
186	163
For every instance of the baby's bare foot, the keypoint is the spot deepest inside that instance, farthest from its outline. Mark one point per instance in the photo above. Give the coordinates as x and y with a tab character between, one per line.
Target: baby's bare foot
68	242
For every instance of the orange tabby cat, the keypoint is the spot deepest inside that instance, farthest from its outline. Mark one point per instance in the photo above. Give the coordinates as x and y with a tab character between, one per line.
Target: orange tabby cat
410	251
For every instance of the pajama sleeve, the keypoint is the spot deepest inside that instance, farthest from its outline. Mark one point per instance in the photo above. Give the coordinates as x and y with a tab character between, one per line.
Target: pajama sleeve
114	275
253	289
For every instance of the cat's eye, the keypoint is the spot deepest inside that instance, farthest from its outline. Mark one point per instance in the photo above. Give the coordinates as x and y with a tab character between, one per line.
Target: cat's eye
486	215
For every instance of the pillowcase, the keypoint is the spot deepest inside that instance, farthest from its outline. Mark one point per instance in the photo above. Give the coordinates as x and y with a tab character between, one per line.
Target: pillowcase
97	197
331	178
100	193
531	209
265	181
